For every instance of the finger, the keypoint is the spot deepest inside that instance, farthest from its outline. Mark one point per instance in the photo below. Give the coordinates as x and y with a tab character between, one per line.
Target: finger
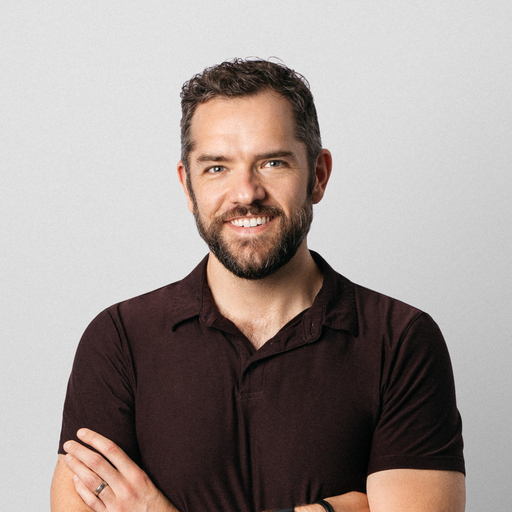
90	479
94	462
88	497
109	449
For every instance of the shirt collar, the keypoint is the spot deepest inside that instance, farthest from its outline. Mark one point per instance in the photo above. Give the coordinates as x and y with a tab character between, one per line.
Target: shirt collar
334	306
188	299
335	303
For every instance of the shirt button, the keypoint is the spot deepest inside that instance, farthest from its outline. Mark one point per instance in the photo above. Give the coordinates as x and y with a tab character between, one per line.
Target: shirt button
253	366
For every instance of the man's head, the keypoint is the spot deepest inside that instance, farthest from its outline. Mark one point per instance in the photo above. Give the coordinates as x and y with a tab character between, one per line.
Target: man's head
249	175
239	78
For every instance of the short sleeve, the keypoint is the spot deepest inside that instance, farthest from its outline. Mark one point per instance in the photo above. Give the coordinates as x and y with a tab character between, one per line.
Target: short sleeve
419	426
100	392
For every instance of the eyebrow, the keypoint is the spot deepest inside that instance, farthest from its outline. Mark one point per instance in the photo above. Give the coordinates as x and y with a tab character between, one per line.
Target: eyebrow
262	156
212	158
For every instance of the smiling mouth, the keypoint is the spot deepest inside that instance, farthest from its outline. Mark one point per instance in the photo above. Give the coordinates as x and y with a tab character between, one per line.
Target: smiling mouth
250	222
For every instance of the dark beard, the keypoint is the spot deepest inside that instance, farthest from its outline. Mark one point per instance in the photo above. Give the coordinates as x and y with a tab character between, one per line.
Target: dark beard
293	233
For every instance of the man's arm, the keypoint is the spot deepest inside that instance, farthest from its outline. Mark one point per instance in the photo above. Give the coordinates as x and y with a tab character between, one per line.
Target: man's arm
63	496
349	502
68	495
125	487
396	490
411	490
403	490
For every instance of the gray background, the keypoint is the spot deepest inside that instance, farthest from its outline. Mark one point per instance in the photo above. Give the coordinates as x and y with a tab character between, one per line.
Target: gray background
415	102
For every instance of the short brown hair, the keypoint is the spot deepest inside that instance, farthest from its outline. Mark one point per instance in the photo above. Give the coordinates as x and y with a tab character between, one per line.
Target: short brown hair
241	77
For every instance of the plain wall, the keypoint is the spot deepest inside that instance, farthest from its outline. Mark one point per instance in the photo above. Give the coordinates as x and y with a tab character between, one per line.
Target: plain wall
415	103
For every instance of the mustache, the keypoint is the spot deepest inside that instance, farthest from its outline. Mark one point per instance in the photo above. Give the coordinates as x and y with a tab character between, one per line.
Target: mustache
253	209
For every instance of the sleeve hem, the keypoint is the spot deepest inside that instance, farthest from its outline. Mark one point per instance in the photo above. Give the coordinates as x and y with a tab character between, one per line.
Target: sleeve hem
434	463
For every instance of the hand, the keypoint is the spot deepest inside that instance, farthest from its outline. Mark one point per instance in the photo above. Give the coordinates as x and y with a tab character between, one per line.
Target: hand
128	488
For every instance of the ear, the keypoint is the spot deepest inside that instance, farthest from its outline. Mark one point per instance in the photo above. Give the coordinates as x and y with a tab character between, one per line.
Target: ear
323	173
182	175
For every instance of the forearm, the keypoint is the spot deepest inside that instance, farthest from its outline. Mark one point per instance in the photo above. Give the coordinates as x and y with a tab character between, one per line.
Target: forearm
403	490
349	502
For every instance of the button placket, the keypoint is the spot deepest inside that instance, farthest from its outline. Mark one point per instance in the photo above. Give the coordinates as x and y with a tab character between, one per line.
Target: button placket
252	380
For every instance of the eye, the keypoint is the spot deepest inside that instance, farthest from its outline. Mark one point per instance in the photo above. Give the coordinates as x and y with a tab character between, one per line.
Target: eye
274	163
215	169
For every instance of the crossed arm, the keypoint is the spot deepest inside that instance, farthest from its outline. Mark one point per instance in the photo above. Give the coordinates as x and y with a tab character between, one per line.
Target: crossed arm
79	473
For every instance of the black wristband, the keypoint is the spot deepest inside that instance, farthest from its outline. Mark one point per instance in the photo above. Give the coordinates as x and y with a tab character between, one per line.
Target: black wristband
325	504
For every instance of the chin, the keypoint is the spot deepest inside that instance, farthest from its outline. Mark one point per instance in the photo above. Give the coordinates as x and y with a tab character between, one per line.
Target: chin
254	264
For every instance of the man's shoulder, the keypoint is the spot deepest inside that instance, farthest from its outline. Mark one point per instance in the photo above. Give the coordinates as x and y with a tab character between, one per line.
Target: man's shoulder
168	304
369	306
153	299
373	300
392	320
363	311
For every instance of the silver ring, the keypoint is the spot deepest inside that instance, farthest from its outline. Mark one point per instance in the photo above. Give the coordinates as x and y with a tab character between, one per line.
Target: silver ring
100	488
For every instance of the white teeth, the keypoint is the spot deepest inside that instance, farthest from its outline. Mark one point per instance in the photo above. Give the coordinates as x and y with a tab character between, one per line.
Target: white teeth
250	222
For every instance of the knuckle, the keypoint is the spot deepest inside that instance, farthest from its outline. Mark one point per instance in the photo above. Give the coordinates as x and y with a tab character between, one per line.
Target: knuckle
95	461
140	478
90	482
111	448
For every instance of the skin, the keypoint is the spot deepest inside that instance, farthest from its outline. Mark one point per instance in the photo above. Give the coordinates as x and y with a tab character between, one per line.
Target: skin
245	153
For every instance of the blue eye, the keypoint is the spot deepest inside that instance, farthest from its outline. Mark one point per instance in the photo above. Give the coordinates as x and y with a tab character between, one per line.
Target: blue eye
274	163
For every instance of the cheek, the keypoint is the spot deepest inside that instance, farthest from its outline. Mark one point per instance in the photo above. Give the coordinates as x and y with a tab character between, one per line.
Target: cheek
209	204
290	191
293	201
213	199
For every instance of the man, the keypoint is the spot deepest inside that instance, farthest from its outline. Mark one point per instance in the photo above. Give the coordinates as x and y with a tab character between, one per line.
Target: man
264	380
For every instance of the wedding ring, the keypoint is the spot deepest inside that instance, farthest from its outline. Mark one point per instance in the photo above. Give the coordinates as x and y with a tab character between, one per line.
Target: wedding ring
100	488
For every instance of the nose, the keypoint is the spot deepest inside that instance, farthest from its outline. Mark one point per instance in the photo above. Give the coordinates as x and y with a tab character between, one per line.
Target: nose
246	187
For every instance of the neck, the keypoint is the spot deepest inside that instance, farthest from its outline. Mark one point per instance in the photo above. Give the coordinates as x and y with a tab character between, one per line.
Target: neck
259	308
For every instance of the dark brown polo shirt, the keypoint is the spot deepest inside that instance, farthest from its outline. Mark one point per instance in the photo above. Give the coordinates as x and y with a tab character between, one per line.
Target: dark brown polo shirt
355	384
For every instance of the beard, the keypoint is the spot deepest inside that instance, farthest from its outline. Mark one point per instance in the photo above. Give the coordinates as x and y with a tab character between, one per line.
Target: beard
263	255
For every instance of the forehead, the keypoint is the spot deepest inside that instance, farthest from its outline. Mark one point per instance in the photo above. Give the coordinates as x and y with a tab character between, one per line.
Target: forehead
233	122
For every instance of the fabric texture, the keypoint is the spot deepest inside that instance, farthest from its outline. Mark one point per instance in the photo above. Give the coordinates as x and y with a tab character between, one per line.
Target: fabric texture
357	383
